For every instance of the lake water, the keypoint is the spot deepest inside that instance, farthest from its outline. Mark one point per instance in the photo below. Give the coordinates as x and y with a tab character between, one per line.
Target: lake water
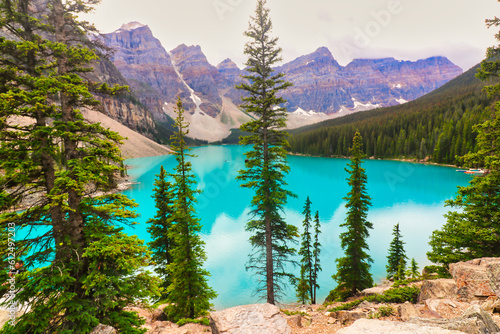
406	193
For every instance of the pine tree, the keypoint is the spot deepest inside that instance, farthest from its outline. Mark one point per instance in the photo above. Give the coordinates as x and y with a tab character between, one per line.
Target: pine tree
397	256
188	294
266	164
474	230
414	273
316	253
160	226
306	252
89	271
353	270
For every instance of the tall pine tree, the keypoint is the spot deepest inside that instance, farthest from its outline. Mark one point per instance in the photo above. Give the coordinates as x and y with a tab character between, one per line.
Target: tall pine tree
316	253
188	294
306	252
159	228
397	256
353	270
88	270
266	163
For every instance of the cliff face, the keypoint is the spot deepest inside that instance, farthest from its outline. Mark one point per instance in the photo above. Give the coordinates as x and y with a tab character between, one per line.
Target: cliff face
322	85
146	65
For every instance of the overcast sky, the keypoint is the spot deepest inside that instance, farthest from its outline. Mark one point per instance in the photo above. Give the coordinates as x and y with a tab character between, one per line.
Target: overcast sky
403	29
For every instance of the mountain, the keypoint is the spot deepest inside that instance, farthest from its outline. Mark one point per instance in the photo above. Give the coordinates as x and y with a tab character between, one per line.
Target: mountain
436	127
158	77
322	89
322	85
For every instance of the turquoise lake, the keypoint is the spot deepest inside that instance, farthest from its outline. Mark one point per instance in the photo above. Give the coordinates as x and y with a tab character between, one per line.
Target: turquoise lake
406	193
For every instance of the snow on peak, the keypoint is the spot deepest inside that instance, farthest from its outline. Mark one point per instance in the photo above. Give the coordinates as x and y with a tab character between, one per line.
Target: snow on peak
131	26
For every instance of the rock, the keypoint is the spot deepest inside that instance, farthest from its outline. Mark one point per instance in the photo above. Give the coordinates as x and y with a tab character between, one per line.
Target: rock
103	329
368	326
473	321
477	312
376	290
348	317
477	279
491	305
249	319
407	311
446	308
4	317
439	288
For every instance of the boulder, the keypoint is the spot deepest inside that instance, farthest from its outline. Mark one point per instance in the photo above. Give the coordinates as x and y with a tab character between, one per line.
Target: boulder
407	311
446	308
376	290
348	317
491	305
103	329
474	321
438	288
477	279
249	319
369	326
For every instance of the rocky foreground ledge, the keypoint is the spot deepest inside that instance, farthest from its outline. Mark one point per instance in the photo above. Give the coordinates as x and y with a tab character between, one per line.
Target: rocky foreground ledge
467	303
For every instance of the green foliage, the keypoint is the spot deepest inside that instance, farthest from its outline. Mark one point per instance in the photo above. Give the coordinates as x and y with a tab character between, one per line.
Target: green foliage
266	163
353	270
289	313
159	228
397	256
88	271
309	263
441	271
414	273
188	294
201	321
316	252
396	295
473	231
437	126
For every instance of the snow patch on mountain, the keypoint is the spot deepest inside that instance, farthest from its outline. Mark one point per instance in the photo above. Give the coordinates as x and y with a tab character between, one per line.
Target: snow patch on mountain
131	26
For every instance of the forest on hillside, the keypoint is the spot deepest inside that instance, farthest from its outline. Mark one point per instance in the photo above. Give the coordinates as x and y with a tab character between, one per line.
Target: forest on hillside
437	127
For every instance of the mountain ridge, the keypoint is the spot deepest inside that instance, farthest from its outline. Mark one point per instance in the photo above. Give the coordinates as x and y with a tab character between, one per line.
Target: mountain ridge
322	87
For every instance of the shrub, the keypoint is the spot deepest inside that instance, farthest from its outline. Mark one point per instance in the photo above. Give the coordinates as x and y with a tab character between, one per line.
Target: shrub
201	321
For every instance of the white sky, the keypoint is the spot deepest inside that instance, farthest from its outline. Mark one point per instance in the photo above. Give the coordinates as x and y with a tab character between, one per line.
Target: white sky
414	29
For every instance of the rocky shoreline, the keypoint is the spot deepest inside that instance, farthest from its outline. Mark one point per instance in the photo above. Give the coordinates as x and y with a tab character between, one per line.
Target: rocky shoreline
467	303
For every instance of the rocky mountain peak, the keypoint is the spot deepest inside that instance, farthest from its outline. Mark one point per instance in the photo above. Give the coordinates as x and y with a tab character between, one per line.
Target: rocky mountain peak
132	26
227	64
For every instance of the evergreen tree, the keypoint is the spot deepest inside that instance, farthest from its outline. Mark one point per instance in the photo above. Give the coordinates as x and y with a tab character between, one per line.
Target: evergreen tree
88	270
316	253
306	252
353	270
397	256
160	226
188	294
474	230
266	164
414	273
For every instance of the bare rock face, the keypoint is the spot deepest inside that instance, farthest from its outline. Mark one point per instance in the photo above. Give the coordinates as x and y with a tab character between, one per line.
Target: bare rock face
439	288
369	326
477	279
249	319
322	85
103	329
474	321
407	311
348	317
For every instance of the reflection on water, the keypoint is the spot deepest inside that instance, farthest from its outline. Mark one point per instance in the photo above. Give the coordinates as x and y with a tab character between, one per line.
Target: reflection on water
410	194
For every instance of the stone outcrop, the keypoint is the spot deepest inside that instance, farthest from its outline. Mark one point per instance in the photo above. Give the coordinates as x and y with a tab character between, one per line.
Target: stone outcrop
474	321
407	311
477	279
249	319
438	288
370	326
103	329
